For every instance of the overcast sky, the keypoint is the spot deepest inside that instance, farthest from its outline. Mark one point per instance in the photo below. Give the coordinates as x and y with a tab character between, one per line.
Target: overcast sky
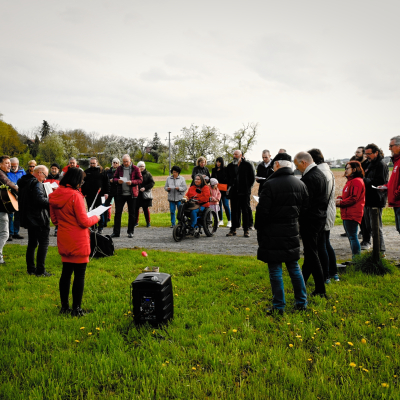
312	73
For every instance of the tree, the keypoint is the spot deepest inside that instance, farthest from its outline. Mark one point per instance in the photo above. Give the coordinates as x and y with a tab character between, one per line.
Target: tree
10	142
52	149
35	147
245	138
156	147
142	145
70	149
44	130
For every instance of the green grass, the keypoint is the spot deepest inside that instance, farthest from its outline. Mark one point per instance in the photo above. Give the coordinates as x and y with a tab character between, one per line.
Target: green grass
387	217
162	183
156	170
220	344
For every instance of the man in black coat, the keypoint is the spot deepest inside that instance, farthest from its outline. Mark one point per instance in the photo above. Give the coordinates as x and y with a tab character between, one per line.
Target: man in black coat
241	177
376	174
312	219
281	199
264	169
34	213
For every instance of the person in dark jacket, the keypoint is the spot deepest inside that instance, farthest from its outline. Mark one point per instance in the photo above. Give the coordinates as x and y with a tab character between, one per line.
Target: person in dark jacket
146	186
264	169
312	219
54	176
201	169
220	174
241	177
376	174
34	208
112	185
281	199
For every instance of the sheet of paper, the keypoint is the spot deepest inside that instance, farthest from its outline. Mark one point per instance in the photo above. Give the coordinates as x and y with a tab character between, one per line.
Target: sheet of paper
54	185
98	211
256	198
123	179
382	187
48	188
260	177
103	200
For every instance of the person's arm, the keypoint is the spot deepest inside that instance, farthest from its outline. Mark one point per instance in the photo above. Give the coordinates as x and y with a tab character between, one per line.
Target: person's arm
218	195
263	207
53	215
40	198
166	186
80	213
138	178
252	174
6	181
116	175
355	193
151	183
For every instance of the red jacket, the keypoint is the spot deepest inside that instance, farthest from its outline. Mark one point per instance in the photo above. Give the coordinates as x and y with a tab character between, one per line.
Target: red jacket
353	200
203	197
68	212
136	179
394	183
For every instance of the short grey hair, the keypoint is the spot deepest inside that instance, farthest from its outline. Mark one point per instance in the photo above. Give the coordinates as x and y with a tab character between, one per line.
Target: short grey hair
304	156
38	168
14	160
266	151
141	164
240	151
396	140
72	159
284	163
126	155
93	158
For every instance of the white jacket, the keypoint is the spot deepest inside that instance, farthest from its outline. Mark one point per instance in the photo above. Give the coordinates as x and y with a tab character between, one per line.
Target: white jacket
330	191
171	183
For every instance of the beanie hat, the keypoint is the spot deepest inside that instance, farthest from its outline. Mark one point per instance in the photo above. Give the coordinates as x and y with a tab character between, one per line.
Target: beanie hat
282	157
213	182
55	165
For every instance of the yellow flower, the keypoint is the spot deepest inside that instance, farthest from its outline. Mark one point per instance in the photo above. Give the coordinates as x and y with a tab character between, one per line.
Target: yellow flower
163	365
385	385
89	333
351	344
367	322
199	335
394	376
312	337
125	314
298	336
310	359
337	343
317	329
247	309
129	312
290	345
176	294
288	323
224	332
77	341
342	319
104	322
82	328
352	365
363	341
167	362
234	330
194	368
365	370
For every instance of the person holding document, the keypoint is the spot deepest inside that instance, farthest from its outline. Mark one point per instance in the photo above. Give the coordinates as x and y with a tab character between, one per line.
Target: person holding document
68	211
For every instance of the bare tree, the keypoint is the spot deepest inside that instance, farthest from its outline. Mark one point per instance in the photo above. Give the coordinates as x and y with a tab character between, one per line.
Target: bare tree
245	138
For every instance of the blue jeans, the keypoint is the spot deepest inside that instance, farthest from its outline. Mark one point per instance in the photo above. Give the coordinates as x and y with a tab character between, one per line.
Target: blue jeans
224	201
351	228
193	216
397	217
275	277
173	206
14	223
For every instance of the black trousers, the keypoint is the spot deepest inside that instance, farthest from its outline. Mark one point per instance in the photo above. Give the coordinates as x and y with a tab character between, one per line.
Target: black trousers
77	287
37	236
327	255
119	206
312	265
240	206
89	201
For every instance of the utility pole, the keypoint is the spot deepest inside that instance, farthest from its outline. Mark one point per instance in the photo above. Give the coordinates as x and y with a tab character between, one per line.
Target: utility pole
169	145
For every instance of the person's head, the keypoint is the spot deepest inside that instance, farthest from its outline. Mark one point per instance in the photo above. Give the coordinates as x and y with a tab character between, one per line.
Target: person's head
175	171
237	155
282	160
72	162
126	160
14	164
93	162
141	165
372	152
354	169
317	156
359	153
40	172
116	163
73	177
31	166
282	151
266	156
201	162
213	182
302	160
219	162
55	168
5	164
394	145
199	180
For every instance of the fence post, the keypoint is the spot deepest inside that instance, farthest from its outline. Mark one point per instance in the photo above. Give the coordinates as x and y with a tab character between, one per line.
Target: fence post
375	235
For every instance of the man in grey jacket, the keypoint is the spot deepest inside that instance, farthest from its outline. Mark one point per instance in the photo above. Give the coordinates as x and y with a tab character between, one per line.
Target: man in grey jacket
176	187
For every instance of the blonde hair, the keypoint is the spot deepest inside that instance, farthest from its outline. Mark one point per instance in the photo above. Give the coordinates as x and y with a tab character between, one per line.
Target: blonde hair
201	159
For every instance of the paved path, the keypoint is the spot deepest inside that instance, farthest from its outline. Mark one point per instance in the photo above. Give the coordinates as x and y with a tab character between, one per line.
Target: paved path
161	239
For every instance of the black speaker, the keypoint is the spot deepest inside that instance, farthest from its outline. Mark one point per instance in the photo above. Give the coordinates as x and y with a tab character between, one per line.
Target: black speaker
152	298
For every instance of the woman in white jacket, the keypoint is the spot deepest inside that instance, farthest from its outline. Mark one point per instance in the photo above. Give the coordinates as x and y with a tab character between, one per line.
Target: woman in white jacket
326	253
176	187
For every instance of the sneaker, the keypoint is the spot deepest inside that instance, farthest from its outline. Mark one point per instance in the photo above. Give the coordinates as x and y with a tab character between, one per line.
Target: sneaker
2	260
246	234
299	308
31	272
335	278
229	224
9	239
322	295
78	312
221	223
148	226
327	282
341	265
343	234
136	225
65	310
130	235
113	235
274	311
383	254
365	246
44	275
252	228
231	233
17	236
172	226
100	231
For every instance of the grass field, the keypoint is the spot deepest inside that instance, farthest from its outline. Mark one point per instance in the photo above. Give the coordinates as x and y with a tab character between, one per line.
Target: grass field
220	344
156	170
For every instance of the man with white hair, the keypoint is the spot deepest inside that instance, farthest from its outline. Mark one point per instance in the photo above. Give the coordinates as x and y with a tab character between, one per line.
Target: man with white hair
34	212
312	219
16	172
281	199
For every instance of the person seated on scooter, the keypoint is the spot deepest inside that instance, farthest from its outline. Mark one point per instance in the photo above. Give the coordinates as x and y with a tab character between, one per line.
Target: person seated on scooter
200	193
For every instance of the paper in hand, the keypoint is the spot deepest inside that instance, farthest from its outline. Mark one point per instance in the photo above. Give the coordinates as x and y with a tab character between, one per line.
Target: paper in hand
103	200
123	179
256	198
54	185
98	211
259	177
383	187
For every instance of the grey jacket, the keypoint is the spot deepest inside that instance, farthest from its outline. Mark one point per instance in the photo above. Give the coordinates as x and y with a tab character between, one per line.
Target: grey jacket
175	195
330	191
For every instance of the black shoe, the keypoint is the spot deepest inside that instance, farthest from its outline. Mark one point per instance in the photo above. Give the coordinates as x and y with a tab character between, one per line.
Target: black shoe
78	312
100	231
172	226
343	234
9	239
44	275
17	236
299	308
322	295
130	235
31	272
65	310
136	225
231	233
246	234
148	226
273	311
113	235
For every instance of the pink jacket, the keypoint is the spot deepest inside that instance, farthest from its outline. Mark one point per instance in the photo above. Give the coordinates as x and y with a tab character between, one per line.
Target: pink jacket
215	195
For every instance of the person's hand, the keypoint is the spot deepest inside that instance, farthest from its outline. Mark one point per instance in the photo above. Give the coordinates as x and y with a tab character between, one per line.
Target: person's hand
382	187
120	181
98	218
129	183
338	202
106	196
168	189
177	188
142	189
111	180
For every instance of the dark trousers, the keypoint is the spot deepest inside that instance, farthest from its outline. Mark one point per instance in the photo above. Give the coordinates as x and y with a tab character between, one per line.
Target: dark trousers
326	254
37	236
89	202
146	212
367	218
77	287
312	264
119	206
14	223
240	205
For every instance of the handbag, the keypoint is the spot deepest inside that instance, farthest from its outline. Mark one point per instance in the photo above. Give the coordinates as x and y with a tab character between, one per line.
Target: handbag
223	187
147	194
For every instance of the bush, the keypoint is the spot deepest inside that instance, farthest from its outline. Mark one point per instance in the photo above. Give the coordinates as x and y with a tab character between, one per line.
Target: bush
366	264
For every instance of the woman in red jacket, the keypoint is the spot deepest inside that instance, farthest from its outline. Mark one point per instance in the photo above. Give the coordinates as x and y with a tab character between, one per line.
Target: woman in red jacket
68	211
203	198
351	203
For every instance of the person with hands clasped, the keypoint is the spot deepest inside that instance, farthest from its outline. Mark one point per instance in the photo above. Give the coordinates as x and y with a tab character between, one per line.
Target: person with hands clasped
176	187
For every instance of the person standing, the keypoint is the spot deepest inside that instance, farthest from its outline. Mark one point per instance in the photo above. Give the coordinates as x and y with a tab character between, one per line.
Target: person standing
176	187
34	208
281	199
312	219
241	178
15	173
352	202
143	199
201	169
54	177
5	167
72	163
376	174
220	174
31	166
127	192
67	209
106	217
264	169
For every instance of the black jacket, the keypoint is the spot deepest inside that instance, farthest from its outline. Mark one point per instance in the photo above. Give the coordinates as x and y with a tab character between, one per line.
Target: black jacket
112	185
221	175
315	214
264	172
95	179
240	178
377	173
282	198
33	203
148	183
198	170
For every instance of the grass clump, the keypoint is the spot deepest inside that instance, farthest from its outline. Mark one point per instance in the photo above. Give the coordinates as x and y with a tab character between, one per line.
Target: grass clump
366	264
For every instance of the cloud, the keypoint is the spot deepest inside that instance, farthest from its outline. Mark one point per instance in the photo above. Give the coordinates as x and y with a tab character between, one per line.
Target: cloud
157	74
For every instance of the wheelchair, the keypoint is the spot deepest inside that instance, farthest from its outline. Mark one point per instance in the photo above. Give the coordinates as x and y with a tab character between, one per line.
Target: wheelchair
207	221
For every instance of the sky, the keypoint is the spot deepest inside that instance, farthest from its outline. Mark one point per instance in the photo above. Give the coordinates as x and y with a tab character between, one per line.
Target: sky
310	73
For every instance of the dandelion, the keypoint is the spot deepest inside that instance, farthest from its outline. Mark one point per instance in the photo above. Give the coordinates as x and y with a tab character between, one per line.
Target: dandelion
247	309
104	322
199	335
234	330
312	337
352	365
290	345
176	294
365	370
194	368
167	362
223	332
367	322
199	266
125	314
298	336
77	341
394	376
163	365
317	329
391	318
129	312
310	359
342	319
97	329
385	385
288	323
349	343
82	328
363	341
337	343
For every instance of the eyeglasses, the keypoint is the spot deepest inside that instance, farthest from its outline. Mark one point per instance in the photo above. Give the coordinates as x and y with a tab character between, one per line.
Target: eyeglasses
31	166
41	172
348	168
115	162
368	154
391	145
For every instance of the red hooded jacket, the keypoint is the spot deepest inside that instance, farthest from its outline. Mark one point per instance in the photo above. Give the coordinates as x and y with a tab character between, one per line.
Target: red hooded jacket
394	183
68	212
203	197
353	200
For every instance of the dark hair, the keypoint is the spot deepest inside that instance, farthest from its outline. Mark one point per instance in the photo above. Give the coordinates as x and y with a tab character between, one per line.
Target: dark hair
317	156
357	166
221	160
361	147
176	168
73	177
2	158
203	182
374	148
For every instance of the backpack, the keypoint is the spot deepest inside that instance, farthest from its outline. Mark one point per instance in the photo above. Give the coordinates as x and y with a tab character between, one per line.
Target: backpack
101	246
